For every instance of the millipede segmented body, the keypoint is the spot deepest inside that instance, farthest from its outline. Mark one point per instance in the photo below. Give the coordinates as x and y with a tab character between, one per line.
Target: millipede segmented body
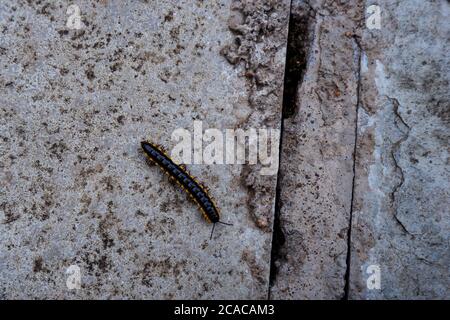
178	173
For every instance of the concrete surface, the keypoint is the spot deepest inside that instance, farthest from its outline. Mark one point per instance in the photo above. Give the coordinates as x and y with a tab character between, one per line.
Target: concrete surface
76	189
401	216
317	156
393	190
358	209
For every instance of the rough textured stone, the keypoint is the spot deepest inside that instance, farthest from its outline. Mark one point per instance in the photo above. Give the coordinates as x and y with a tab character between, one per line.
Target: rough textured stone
396	81
317	156
257	53
75	188
401	216
364	167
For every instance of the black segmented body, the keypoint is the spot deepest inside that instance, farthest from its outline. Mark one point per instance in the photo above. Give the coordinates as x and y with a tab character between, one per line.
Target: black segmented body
184	179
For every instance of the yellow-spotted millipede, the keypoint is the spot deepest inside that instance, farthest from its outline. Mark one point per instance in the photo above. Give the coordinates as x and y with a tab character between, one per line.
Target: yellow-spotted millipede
196	191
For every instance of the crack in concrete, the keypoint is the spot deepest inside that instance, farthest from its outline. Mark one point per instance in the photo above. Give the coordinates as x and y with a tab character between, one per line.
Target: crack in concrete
278	238
399	123
258	38
349	231
296	53
295	67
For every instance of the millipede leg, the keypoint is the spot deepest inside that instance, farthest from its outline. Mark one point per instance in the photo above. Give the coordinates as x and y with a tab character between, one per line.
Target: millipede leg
227	224
212	231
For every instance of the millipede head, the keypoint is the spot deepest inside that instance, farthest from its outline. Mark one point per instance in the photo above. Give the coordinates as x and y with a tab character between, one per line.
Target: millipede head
147	147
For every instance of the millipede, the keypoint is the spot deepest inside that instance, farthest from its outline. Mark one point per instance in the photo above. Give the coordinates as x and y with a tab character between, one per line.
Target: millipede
178	173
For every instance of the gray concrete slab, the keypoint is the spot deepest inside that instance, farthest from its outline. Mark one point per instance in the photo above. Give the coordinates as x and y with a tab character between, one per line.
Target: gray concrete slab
400	230
363	181
75	188
317	155
384	81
